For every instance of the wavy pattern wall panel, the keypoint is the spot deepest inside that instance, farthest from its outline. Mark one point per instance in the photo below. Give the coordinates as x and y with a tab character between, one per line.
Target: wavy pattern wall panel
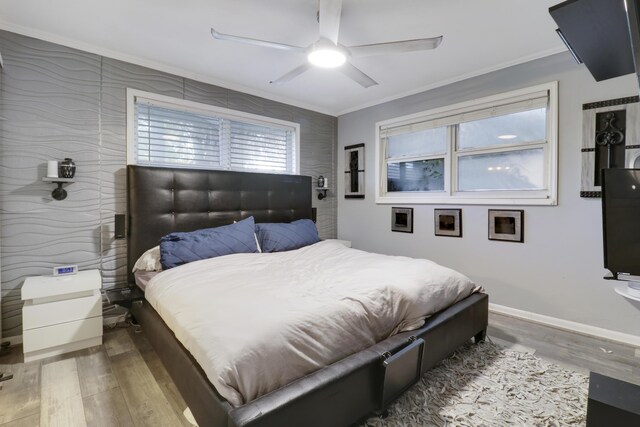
117	76
50	98
61	102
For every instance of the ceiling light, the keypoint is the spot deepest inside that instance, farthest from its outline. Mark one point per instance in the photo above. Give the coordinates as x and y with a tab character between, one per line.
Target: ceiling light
326	55
508	136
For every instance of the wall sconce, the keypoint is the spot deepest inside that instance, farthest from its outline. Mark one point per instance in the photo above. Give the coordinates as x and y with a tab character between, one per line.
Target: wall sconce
323	187
60	173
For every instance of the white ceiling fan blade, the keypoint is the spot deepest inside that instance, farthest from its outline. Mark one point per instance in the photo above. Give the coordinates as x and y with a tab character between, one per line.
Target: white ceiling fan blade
255	42
291	74
395	47
358	76
329	12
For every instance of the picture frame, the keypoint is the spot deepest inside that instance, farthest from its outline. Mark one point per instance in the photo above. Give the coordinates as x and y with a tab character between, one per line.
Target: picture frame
609	130
448	222
402	220
506	225
354	171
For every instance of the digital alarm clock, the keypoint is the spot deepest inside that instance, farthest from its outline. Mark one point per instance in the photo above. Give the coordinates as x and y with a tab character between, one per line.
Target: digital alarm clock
65	270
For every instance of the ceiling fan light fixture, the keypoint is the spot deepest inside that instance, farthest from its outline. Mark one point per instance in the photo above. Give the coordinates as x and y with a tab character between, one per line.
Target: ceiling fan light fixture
327	57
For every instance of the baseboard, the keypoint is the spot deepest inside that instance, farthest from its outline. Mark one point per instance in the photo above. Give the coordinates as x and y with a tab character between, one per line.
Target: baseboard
567	325
14	340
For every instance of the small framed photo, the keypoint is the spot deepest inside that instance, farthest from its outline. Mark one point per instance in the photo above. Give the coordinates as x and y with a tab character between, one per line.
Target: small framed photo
402	220
448	222
506	225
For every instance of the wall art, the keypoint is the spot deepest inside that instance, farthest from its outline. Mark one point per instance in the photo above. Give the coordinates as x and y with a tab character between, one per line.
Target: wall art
610	139
354	171
448	222
402	220
506	225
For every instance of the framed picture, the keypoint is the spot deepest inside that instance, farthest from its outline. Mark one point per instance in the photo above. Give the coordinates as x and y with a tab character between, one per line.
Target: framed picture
354	171
402	220
448	222
506	225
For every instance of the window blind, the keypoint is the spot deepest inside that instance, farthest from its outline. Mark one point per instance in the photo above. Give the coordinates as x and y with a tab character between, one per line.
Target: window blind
260	147
173	137
168	135
522	103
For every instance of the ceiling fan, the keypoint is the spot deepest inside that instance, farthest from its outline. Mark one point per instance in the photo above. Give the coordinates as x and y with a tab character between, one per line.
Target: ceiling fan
328	53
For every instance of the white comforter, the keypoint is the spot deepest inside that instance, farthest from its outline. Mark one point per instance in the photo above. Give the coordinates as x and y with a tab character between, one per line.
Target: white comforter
256	322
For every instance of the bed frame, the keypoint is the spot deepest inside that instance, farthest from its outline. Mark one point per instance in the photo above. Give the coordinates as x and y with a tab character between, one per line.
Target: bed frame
162	200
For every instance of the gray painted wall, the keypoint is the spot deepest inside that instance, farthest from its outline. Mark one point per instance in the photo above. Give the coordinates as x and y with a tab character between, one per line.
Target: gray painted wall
60	102
558	270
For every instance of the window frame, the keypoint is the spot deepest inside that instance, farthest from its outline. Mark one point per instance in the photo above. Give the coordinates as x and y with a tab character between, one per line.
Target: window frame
205	109
450	195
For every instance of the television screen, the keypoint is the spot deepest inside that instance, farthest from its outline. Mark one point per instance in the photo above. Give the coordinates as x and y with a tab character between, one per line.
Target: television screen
621	220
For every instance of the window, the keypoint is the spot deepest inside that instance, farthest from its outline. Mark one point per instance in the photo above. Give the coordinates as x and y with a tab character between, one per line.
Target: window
164	131
496	150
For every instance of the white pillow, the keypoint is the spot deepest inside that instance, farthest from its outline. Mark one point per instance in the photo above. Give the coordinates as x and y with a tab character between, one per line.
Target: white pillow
149	261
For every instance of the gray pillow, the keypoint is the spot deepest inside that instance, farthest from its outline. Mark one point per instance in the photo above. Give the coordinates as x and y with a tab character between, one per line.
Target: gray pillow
181	248
278	237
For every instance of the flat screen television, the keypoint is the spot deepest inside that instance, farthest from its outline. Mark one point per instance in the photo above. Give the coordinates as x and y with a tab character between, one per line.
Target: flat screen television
621	225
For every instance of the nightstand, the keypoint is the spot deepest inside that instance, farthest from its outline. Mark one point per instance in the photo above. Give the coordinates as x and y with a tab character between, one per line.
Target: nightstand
61	314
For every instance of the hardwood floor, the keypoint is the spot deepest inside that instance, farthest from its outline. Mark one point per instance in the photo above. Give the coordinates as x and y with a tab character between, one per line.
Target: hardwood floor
123	382
582	353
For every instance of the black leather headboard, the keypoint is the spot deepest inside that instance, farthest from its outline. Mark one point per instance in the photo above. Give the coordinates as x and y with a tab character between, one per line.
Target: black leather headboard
162	200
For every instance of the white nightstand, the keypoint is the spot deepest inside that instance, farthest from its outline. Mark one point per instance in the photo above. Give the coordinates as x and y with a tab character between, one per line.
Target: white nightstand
61	314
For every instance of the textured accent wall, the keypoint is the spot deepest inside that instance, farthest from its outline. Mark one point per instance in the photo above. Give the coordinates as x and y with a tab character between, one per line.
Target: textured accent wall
60	102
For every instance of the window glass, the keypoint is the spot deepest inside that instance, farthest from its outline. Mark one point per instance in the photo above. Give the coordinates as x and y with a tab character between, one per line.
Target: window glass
510	170
521	127
420	175
424	142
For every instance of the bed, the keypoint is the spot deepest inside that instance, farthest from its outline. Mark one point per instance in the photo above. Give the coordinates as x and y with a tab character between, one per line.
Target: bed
163	200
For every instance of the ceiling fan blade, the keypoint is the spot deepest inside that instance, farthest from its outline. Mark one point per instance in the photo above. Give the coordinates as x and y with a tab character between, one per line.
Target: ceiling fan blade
358	76
291	74
395	47
256	42
329	13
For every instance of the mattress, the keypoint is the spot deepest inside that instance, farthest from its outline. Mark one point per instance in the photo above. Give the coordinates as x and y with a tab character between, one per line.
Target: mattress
256	322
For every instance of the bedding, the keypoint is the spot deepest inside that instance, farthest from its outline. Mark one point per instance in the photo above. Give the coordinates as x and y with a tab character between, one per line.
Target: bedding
149	261
256	322
142	278
185	247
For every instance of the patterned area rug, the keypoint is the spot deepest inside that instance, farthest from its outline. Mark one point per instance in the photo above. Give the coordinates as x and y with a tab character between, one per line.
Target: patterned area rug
484	385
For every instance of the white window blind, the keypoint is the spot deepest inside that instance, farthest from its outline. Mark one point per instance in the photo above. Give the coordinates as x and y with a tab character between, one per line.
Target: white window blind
178	133
172	137
258	147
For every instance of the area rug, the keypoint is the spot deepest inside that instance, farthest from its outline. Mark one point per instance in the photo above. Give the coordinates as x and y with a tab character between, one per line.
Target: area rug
485	385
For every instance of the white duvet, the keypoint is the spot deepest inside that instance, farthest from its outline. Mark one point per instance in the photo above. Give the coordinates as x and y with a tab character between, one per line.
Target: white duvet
256	322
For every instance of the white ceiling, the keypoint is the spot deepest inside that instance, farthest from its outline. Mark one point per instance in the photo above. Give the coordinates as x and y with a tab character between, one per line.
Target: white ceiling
174	36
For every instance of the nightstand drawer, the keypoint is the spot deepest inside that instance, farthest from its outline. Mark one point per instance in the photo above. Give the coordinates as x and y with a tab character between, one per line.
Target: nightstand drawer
53	313
64	333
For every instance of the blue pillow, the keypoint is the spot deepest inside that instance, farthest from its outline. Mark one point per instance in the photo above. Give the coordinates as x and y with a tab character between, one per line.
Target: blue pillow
280	237
180	248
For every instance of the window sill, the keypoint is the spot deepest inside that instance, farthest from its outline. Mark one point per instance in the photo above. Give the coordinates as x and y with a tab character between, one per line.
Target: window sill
459	200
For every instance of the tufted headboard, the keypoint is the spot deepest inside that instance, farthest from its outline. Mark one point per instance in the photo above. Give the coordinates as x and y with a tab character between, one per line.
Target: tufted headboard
162	200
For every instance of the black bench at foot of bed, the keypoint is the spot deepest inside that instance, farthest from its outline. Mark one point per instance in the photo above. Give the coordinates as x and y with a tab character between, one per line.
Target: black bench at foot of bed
337	395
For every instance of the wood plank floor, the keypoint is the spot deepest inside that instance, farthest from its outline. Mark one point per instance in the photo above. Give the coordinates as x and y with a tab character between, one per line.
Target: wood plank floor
123	382
120	383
